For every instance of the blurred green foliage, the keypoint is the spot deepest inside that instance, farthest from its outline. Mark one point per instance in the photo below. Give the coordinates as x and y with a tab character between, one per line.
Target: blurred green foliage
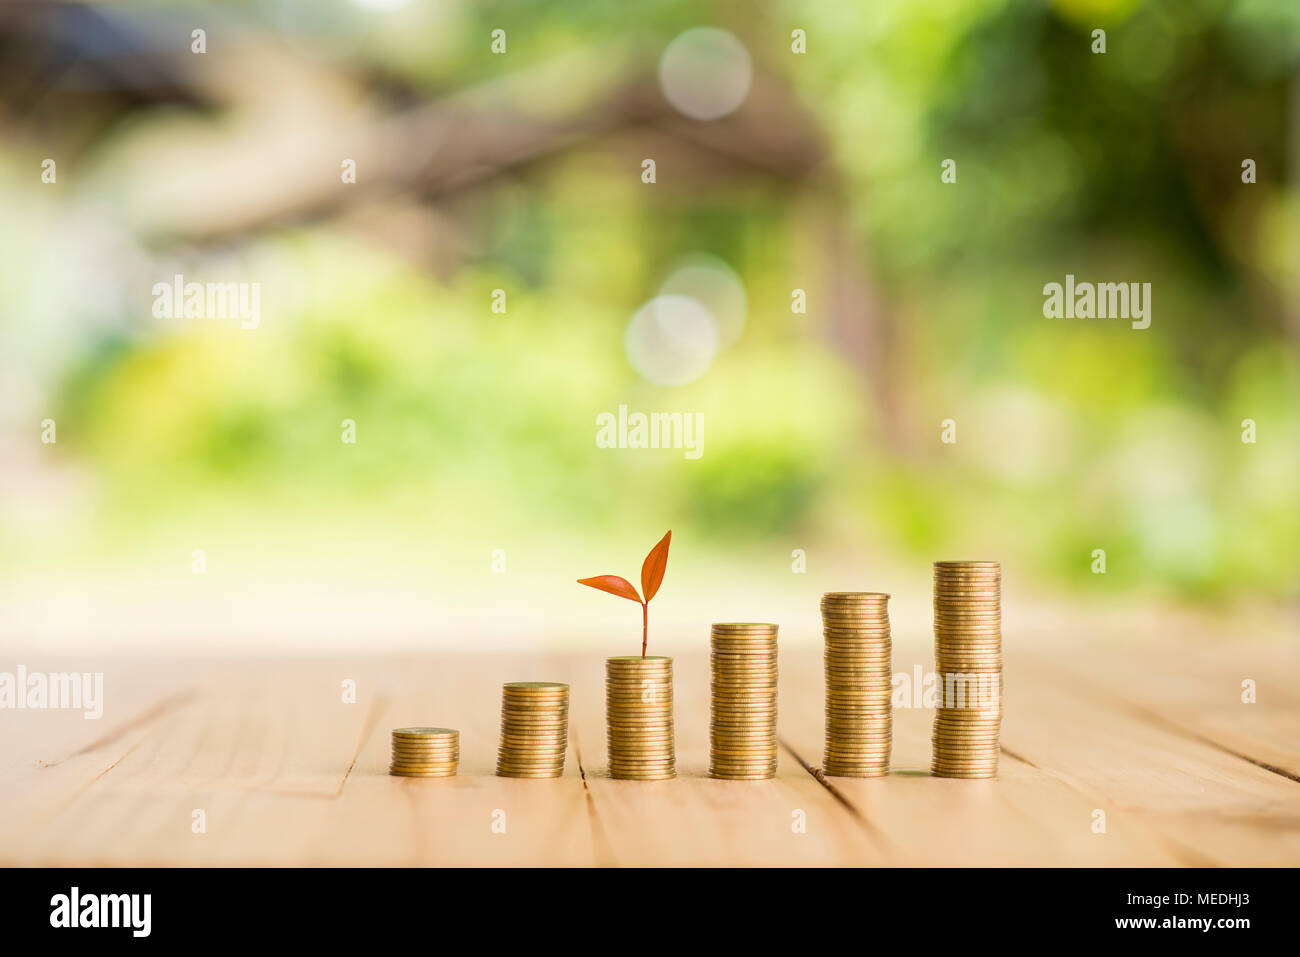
1072	435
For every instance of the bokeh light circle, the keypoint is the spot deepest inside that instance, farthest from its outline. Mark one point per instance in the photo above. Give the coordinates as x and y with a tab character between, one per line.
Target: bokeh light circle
713	284
705	73
671	340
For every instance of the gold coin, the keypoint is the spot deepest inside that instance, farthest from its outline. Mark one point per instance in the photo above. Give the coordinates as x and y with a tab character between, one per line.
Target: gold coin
730	684
437	746
535	731
641	728
748	669
763	732
440	743
857	747
536	718
731	776
647	776
963	745
641	680
422	774
424	732
873	762
746	773
418	756
506	773
742	711
641	760
529	714
850	771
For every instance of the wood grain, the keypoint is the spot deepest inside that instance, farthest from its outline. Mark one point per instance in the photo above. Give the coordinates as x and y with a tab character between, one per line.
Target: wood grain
288	773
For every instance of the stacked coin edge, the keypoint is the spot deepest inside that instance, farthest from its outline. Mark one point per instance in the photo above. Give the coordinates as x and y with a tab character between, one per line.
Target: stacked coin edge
859	676
742	701
639	718
425	752
534	729
968	658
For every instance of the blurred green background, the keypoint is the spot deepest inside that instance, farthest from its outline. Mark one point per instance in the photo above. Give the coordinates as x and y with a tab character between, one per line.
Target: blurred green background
522	171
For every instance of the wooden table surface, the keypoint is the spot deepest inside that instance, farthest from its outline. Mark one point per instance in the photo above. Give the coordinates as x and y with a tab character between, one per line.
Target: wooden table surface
286	773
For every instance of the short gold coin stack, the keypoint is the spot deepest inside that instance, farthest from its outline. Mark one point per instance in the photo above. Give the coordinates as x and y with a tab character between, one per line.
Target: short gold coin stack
425	752
639	717
742	719
534	729
968	659
859	716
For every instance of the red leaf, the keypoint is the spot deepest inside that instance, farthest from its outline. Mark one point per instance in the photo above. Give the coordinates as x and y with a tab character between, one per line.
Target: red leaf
614	585
656	563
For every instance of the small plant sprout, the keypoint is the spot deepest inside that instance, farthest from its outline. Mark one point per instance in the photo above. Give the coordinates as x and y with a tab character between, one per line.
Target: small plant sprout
652	576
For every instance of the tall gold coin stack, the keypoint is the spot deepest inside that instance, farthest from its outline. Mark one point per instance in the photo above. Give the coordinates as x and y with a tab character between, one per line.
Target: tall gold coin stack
742	725
968	659
425	752
859	716
639	717
534	729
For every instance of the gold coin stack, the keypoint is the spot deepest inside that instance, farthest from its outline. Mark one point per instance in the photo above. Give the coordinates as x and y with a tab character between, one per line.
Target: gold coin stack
639	717
534	729
742	725
859	716
968	659
425	752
